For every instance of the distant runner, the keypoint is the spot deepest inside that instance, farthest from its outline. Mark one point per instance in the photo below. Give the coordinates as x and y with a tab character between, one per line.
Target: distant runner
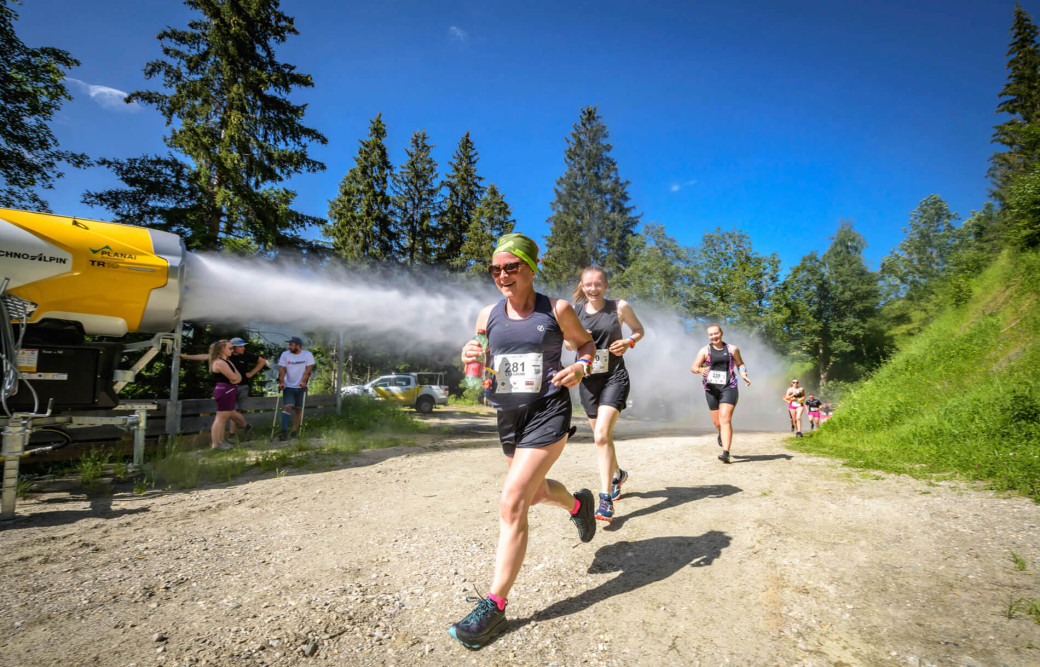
813	405
604	392
718	364
525	332
794	397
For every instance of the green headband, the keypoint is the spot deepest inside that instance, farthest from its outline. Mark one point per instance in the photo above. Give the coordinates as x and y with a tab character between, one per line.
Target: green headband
521	246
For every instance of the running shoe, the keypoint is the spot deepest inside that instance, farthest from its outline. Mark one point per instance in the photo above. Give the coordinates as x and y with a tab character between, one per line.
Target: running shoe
724	456
292	434
720	439
605	512
615	484
585	519
798	434
481	625
283	436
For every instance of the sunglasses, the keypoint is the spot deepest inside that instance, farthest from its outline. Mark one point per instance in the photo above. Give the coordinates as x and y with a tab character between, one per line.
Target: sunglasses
496	270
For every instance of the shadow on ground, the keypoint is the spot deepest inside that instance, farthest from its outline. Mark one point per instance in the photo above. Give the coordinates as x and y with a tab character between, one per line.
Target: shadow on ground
671	496
640	563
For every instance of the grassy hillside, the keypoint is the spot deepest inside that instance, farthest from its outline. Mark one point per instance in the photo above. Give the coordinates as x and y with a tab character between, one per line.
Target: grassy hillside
960	399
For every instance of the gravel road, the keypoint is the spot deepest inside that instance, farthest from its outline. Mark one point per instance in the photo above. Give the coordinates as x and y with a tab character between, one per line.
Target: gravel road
776	559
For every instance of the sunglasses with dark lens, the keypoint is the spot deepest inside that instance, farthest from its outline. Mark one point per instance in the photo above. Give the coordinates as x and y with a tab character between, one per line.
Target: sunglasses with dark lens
496	270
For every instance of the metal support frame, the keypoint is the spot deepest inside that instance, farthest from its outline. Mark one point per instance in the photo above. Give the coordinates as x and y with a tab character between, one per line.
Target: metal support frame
19	428
173	408
16	437
152	347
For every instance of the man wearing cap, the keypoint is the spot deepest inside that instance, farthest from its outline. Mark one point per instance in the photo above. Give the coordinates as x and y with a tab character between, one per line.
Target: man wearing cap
294	371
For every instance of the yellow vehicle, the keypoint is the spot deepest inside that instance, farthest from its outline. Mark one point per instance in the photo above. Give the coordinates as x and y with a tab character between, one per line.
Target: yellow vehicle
403	388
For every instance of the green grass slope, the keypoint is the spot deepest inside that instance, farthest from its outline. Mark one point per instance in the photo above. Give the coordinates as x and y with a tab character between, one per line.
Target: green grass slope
960	399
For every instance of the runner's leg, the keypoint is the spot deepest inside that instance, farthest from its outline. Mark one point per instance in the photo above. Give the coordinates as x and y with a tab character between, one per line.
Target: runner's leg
606	454
725	423
525	485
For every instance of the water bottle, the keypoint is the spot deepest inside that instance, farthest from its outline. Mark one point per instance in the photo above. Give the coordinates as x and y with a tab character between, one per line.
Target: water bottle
475	369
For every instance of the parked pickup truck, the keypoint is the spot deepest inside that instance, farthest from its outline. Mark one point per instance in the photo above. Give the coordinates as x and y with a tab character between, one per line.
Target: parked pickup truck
404	388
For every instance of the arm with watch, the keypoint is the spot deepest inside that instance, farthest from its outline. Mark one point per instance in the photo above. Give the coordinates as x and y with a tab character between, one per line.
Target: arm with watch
579	339
627	316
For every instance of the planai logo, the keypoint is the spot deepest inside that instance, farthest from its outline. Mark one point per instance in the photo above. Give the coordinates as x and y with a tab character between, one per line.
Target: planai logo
108	253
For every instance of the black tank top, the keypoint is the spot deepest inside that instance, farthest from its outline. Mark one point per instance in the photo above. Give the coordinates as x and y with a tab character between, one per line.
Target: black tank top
220	377
721	360
605	328
517	347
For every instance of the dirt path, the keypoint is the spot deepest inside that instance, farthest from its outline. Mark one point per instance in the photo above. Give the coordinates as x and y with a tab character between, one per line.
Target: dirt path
778	558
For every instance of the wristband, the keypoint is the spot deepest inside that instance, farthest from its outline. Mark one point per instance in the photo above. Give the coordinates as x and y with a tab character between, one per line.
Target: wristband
631	342
742	368
587	363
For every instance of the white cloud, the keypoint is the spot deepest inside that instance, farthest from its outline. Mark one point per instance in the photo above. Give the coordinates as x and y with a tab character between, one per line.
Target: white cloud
109	98
457	34
675	187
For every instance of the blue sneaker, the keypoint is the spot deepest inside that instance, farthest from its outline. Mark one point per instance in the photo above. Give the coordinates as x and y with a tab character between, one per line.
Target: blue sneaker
615	485
480	626
605	512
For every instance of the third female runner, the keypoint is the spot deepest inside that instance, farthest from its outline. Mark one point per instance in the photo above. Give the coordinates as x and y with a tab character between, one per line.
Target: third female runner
718	364
604	392
794	397
525	332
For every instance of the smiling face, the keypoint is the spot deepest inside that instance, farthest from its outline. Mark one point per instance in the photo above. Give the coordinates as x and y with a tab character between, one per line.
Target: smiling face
512	284
715	334
593	284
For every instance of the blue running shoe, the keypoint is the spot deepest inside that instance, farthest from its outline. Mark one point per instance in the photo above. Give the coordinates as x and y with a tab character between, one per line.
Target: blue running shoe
481	625
605	512
615	485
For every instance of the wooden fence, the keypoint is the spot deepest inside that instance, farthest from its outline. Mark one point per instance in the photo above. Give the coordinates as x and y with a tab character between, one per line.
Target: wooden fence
196	419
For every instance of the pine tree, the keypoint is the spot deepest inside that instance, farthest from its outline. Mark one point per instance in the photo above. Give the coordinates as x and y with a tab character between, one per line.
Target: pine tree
161	193
416	203
462	193
226	98
361	223
797	319
32	89
492	218
922	257
1020	134
850	312
592	220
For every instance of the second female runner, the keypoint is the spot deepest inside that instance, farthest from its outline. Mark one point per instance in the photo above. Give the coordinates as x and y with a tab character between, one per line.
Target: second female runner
604	392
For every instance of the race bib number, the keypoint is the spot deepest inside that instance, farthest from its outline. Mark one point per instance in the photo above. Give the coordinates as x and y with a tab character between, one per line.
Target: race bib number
600	362
519	373
717	377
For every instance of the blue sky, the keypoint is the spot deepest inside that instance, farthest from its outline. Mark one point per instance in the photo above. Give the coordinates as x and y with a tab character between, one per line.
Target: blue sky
779	119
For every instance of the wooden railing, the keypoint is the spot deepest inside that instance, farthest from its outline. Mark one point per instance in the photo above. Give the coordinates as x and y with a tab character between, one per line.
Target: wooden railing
197	416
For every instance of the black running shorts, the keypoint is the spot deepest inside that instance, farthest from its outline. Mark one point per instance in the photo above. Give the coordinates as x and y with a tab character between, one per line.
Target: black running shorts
610	389
716	394
541	423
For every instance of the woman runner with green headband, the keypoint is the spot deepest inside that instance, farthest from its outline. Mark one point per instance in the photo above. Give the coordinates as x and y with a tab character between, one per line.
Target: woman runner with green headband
526	331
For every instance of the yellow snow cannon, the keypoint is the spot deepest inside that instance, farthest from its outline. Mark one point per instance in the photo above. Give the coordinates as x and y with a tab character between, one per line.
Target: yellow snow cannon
111	279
